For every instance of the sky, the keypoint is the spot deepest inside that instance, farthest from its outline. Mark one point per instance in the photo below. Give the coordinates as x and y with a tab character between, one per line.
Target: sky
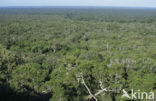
124	3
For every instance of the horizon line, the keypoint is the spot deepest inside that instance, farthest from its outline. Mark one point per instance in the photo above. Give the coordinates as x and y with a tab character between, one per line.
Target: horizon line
77	6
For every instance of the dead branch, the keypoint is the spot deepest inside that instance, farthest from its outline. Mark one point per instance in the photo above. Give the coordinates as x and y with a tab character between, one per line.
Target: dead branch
98	92
101	91
83	82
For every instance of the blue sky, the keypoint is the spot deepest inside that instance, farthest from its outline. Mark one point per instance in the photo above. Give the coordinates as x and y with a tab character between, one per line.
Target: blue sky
131	3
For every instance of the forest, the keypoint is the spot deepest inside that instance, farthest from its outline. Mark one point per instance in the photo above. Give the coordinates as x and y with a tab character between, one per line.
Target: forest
76	53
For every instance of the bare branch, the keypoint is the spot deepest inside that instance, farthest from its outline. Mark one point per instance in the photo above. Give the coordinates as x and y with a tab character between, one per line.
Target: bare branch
101	91
98	92
101	84
92	96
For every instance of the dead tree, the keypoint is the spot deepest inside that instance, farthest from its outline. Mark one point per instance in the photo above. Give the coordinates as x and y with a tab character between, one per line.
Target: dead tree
102	90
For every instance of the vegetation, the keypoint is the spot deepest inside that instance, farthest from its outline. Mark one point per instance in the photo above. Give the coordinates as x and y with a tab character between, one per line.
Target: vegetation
70	54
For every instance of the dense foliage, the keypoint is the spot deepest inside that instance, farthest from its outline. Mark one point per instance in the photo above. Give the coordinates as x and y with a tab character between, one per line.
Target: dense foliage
46	53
